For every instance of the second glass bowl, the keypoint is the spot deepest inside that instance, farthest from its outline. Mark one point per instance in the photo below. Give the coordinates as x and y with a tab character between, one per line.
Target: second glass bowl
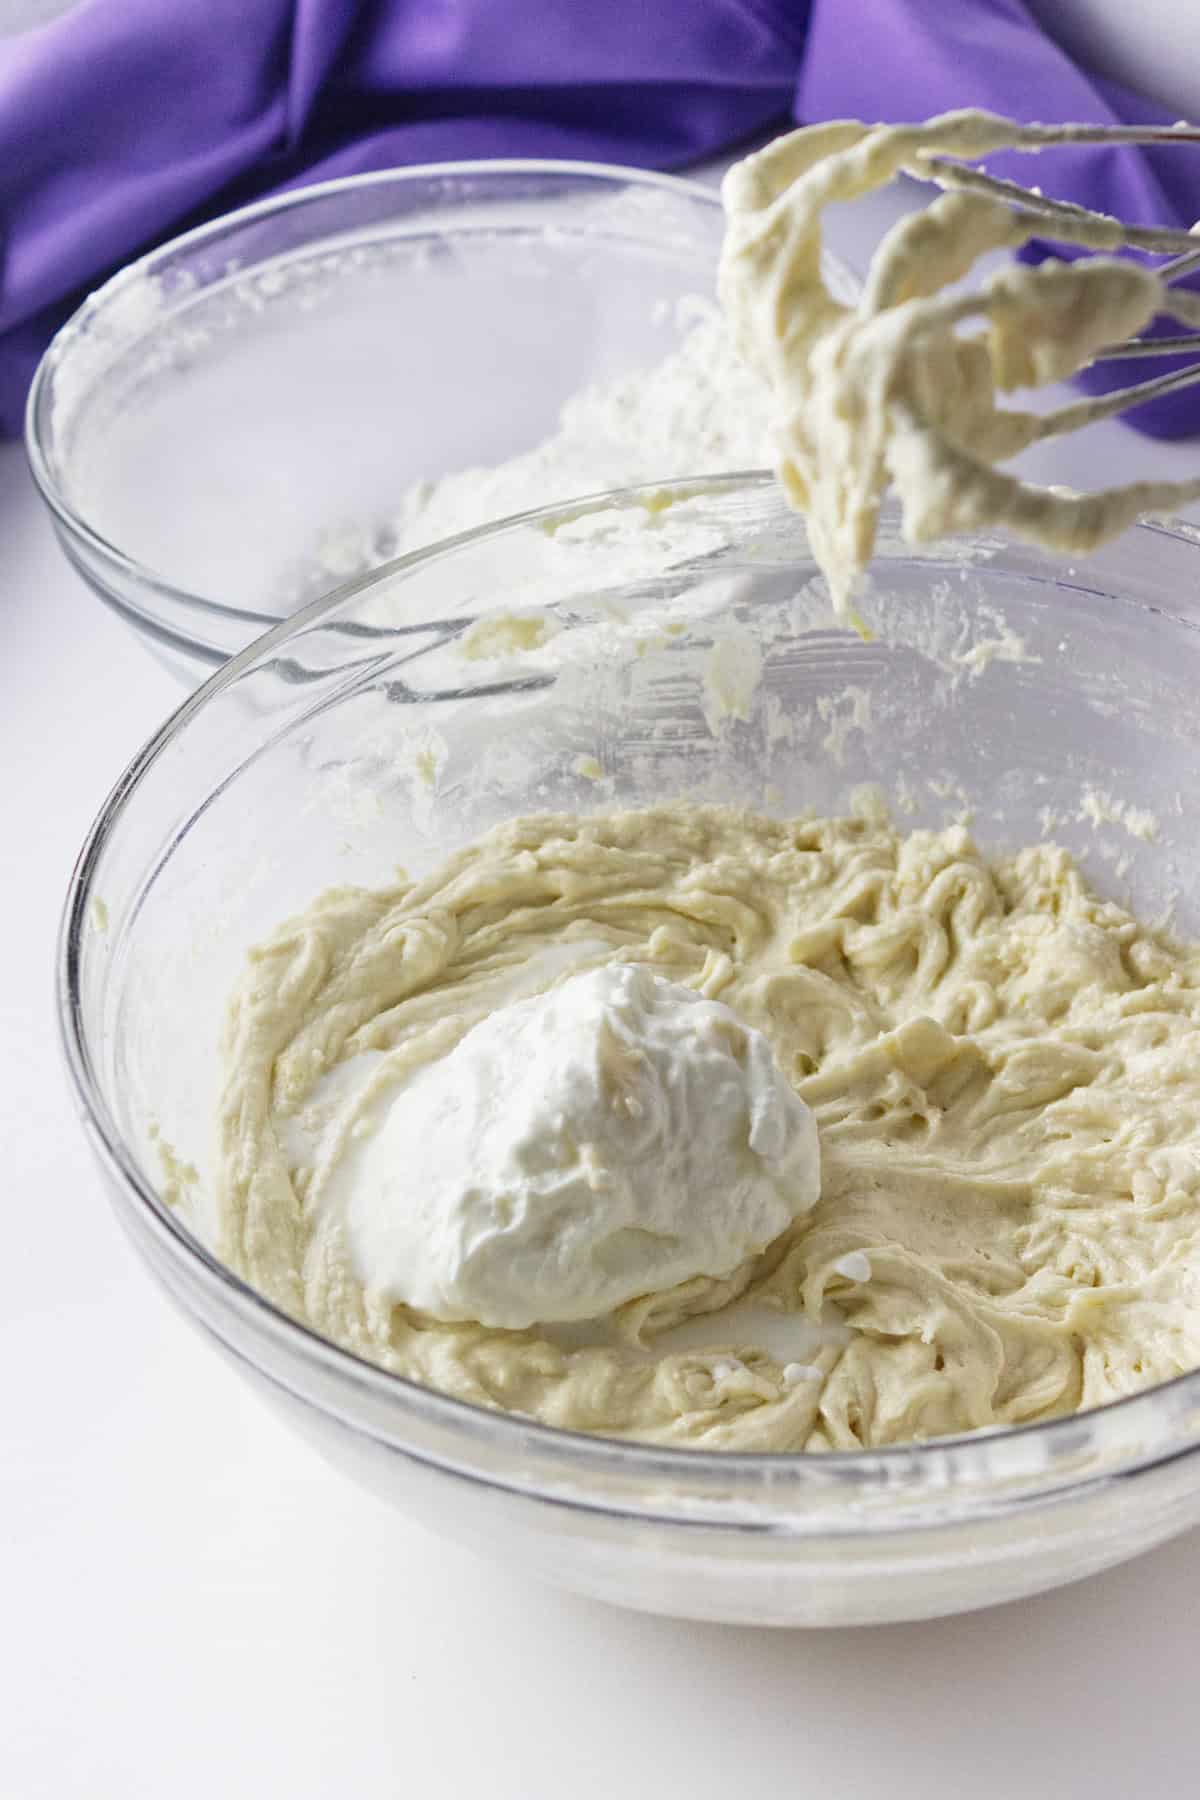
226	428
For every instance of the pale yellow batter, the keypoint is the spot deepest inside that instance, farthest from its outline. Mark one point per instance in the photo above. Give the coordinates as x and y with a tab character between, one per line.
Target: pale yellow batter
1005	1072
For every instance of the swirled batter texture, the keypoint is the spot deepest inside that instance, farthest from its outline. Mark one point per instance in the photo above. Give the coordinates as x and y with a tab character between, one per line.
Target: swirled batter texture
1004	1068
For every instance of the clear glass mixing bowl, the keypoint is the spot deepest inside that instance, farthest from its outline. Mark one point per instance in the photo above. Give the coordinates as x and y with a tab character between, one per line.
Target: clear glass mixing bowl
688	650
226	428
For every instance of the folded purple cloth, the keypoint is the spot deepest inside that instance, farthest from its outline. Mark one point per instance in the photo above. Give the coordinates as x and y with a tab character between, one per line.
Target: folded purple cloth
125	121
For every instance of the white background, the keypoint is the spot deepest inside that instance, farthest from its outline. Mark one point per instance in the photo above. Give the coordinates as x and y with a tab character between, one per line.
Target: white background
192	1605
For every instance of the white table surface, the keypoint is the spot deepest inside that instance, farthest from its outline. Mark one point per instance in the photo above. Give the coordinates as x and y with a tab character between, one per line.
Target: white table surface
192	1605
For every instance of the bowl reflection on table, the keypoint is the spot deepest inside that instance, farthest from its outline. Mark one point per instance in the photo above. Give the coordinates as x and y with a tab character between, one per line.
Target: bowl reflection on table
688	649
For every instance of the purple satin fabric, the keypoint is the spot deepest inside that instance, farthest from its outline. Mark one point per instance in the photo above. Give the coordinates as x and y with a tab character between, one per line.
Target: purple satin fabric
126	121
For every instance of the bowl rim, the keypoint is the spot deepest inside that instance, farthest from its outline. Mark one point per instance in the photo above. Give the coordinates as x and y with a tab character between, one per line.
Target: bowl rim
39	445
951	1469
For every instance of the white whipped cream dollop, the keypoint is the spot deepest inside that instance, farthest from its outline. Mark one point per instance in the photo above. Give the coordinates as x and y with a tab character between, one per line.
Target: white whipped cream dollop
607	1139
